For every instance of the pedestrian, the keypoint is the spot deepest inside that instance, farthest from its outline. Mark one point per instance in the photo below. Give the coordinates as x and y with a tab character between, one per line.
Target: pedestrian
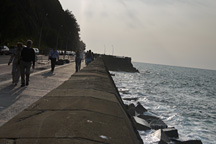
89	57
15	59
53	55
78	60
92	56
26	61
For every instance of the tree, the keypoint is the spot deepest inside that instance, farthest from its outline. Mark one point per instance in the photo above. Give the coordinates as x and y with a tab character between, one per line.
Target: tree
38	20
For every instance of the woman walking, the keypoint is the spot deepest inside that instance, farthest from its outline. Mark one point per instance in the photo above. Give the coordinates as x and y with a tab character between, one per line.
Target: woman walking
15	58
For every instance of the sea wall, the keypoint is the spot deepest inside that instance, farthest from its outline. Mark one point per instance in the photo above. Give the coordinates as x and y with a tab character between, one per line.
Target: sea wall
86	109
115	63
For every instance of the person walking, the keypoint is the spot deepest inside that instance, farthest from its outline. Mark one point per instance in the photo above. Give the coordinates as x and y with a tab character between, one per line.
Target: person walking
53	55
89	57
26	61
15	58
78	60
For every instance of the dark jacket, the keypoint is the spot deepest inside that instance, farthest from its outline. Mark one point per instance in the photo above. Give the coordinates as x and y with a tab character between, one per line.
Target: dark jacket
28	55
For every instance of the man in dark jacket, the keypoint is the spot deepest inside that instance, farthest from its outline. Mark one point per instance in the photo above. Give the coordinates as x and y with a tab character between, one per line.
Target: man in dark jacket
78	60
27	59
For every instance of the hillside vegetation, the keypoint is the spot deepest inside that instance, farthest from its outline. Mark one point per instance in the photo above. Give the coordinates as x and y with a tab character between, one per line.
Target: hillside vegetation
43	21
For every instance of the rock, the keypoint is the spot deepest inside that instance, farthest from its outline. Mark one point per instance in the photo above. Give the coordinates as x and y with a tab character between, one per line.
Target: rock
131	99
186	142
112	74
191	142
162	142
162	136
141	124
126	106
140	109
124	91
155	122
131	110
171	132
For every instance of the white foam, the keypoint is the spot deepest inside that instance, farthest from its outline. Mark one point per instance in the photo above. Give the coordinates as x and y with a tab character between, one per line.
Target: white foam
104	137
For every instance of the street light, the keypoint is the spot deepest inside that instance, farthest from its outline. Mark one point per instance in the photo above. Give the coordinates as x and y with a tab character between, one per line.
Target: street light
112	49
42	30
67	44
58	36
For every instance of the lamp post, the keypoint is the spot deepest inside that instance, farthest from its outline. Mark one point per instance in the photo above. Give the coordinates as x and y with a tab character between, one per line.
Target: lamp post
112	49
67	44
41	30
58	36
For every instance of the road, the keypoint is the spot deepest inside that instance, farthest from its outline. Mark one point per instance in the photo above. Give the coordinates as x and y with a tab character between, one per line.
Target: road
14	99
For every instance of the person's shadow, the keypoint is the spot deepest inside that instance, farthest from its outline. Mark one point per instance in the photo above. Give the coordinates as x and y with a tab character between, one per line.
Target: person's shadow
9	95
48	74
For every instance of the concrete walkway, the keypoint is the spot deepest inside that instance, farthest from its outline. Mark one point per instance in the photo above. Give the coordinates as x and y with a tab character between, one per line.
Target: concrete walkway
86	109
14	99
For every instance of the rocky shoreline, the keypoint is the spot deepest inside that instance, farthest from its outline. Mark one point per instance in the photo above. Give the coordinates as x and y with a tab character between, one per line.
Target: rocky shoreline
115	63
137	114
144	122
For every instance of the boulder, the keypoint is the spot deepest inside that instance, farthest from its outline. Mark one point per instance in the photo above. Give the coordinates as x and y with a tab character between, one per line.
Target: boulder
162	136
191	142
140	109
123	90
131	110
155	122
141	124
126	106
171	132
131	99
112	74
162	142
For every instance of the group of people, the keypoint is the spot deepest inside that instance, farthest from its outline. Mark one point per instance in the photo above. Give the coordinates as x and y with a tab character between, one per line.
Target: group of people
89	57
78	59
23	59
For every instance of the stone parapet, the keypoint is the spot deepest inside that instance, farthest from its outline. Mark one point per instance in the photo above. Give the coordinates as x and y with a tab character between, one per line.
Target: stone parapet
86	109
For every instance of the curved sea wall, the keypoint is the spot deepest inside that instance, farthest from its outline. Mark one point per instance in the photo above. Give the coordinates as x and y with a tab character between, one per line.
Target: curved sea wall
86	109
115	63
139	115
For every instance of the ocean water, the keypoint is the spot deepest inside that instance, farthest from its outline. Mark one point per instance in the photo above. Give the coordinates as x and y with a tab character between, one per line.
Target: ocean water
184	98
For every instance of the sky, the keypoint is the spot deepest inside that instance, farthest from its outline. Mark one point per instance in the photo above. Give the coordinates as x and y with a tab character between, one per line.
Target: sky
169	32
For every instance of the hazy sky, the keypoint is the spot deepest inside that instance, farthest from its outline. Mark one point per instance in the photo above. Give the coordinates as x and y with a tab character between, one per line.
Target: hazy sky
171	32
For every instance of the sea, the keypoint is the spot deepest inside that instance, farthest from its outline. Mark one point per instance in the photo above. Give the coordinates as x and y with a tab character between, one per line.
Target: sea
184	98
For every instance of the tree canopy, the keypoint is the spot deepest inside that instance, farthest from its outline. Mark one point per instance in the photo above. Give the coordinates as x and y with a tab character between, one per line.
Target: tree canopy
43	21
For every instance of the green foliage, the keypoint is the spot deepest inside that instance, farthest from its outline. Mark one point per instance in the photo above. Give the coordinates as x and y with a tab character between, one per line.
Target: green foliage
43	21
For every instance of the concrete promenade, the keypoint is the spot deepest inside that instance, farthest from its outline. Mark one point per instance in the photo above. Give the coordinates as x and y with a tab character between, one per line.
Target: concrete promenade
14	99
86	109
